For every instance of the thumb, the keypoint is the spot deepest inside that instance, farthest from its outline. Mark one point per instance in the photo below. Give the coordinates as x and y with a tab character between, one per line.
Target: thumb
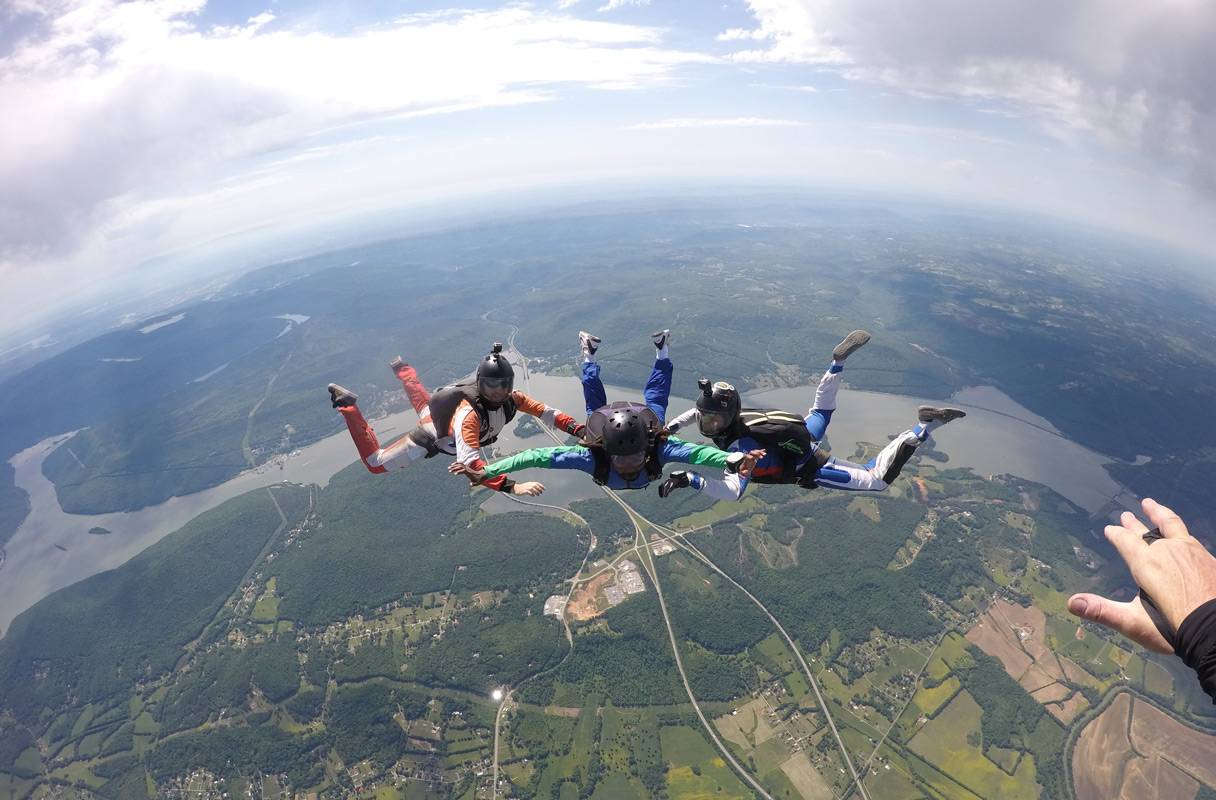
1129	619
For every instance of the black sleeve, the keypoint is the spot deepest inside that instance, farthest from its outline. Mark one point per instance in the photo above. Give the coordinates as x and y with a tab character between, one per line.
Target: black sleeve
507	485
1196	645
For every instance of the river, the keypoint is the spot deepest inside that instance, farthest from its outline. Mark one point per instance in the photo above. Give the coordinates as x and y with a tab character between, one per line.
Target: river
53	549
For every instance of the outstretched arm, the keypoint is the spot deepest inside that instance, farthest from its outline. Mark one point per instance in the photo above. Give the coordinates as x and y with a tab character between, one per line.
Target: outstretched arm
703	455
579	458
1177	576
684	420
546	414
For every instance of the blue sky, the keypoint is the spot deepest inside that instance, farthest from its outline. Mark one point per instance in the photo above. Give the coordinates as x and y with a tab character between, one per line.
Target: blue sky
134	133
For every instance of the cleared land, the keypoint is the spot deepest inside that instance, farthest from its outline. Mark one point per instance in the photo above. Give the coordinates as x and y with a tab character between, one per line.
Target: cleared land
1018	637
944	742
1155	731
585	603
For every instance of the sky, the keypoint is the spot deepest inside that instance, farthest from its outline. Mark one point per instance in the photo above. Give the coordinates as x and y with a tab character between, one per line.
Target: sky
138	135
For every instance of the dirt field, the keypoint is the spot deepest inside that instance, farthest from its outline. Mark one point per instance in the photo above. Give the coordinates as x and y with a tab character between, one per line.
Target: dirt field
1102	751
1162	758
748	727
586	602
1068	709
1051	694
1154	730
809	783
1156	777
1018	637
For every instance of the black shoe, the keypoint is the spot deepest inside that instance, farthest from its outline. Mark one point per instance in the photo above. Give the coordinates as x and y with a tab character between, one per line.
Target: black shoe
661	338
676	480
341	397
397	364
850	345
942	415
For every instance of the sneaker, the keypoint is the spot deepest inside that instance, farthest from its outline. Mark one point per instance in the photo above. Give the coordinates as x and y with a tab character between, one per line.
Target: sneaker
661	338
942	415
341	397
398	364
676	480
850	345
589	343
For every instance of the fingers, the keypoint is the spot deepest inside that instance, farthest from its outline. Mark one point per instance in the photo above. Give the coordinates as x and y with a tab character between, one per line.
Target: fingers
1126	541
1129	520
1171	526
1129	619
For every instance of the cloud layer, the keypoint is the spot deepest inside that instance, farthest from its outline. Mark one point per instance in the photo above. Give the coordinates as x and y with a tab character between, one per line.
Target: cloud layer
1124	74
109	104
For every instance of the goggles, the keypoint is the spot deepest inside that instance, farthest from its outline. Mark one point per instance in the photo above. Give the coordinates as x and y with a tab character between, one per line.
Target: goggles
629	464
713	423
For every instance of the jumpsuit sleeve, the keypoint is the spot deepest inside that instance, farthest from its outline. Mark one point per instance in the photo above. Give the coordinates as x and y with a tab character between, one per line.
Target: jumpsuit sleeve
466	429
575	457
687	418
688	453
550	416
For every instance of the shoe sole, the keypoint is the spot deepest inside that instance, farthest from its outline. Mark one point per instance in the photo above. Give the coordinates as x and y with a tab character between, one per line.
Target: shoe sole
334	390
933	414
850	345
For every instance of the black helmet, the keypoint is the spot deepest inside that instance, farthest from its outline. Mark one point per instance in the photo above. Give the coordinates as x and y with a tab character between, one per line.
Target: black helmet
626	433
719	406
495	377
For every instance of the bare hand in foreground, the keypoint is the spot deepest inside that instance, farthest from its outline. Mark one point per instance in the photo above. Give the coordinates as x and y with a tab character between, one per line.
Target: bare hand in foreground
529	488
1177	572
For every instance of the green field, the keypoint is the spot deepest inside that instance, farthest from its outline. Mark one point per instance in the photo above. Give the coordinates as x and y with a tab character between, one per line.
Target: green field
696	772
952	742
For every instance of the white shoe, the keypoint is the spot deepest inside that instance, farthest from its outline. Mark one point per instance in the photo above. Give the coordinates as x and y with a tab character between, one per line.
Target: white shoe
661	338
589	343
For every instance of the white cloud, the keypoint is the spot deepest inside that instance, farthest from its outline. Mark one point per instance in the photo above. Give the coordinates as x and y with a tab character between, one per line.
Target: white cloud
111	104
805	88
1118	74
959	166
716	122
613	5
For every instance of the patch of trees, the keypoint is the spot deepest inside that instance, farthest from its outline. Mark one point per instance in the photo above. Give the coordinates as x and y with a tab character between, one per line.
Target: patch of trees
130	785
242	750
361	724
1046	744
369	551
608	520
714	677
1010	714
949	562
224	679
718	617
14	740
511	640
115	766
306	704
630	670
841	580
371	659
665	510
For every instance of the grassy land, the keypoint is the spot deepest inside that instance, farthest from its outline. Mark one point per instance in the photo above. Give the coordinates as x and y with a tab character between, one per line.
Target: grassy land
696	772
952	742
